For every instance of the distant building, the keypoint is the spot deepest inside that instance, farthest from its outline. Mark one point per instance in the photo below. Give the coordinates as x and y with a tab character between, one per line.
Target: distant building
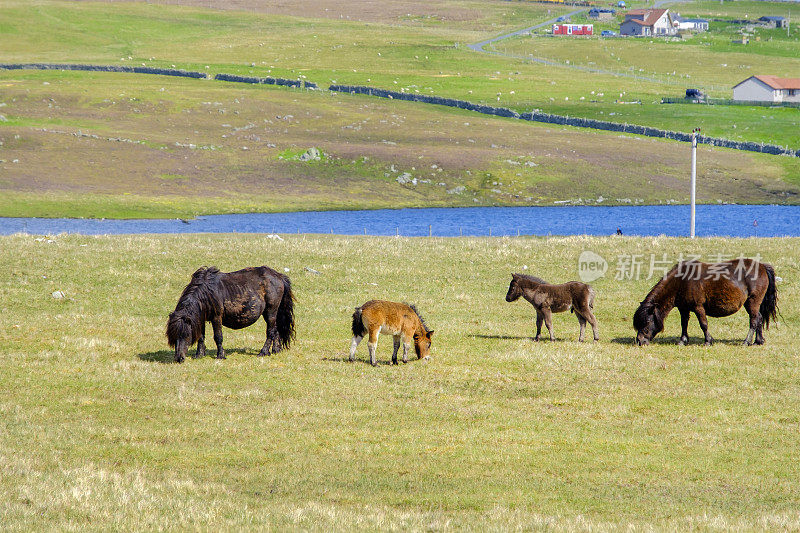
773	21
601	14
691	24
573	29
648	22
767	89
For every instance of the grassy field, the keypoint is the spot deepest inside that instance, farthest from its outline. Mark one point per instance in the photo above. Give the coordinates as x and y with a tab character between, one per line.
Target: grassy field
422	50
109	145
100	430
123	146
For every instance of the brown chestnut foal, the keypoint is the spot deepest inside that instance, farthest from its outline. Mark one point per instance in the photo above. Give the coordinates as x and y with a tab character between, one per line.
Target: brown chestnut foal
402	321
547	299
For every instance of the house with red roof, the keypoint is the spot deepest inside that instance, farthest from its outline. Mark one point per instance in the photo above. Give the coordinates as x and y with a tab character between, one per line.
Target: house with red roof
644	22
767	89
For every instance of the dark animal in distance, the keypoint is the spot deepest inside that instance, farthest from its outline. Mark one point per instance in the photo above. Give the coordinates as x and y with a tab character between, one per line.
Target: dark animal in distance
400	320
547	299
710	289
234	300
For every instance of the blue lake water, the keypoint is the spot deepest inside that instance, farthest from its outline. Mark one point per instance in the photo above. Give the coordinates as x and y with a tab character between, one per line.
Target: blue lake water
712	220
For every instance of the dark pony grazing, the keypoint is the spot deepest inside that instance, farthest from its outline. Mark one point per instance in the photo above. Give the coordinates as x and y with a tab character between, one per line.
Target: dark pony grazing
234	300
710	289
547	299
400	320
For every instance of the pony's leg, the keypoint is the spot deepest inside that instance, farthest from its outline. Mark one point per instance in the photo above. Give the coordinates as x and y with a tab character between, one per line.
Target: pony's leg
272	331
201	342
396	347
685	314
406	348
353	346
582	322
593	322
372	344
273	343
217	325
539	320
701	318
269	342
548	321
755	322
760	331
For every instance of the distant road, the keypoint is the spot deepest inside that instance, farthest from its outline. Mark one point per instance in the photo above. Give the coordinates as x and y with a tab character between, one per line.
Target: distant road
478	47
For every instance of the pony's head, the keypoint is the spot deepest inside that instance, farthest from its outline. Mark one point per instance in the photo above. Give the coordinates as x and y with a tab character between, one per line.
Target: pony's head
648	322
514	290
422	336
180	334
422	343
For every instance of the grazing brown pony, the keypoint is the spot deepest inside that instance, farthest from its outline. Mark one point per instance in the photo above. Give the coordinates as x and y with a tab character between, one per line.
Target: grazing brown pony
710	289
547	299
402	321
234	300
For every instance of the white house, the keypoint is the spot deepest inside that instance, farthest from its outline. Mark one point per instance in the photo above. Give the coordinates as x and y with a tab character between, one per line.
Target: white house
691	24
767	89
648	22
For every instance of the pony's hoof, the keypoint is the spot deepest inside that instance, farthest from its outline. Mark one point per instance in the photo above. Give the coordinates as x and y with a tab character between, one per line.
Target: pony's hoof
181	360
536	339
708	343
760	342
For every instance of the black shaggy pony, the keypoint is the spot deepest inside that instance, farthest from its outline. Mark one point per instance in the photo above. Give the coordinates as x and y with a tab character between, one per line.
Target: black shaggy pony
234	300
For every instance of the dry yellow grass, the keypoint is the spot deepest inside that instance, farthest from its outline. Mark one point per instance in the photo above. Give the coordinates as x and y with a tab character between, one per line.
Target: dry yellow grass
100	431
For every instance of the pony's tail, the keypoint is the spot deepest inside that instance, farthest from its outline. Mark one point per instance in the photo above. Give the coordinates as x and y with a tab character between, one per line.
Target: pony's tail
285	319
358	324
769	305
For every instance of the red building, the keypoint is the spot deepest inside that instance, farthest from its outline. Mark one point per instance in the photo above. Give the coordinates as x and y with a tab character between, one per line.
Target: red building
573	29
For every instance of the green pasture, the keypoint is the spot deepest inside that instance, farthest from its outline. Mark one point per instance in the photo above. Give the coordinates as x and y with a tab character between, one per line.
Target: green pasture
415	54
128	146
100	430
739	9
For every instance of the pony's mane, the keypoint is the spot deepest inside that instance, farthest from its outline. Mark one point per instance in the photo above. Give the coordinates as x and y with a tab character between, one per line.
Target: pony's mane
532	279
201	279
421	320
198	300
659	287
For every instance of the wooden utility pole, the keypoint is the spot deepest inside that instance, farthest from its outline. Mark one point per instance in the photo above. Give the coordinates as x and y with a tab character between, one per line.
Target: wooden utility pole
693	195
